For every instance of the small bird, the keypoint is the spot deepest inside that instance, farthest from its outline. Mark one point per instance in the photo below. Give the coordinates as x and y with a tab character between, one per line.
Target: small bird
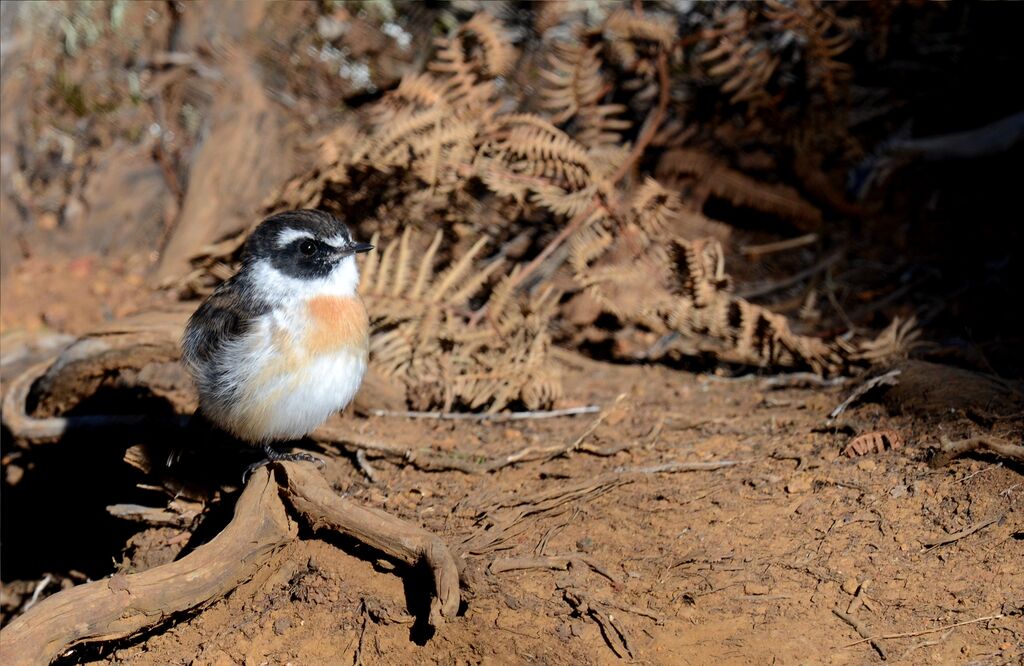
284	343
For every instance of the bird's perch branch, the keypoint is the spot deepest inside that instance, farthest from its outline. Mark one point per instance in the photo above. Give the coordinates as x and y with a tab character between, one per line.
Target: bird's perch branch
125	604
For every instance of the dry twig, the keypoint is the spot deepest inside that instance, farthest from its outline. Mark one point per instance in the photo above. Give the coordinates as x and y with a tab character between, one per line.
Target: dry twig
956	536
887	379
951	450
557	562
910	634
499	417
862	630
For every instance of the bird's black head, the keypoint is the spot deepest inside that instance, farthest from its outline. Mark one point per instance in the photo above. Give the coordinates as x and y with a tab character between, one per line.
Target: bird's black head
303	244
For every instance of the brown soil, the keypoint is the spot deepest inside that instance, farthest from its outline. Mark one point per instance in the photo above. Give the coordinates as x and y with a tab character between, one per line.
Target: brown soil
743	564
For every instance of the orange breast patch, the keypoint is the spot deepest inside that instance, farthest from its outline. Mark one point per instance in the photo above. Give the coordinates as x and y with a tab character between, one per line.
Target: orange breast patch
337	322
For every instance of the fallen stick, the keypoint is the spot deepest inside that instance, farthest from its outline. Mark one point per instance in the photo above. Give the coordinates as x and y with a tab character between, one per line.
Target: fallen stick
956	536
500	417
681	467
860	629
557	562
779	246
890	378
911	634
949	450
613	635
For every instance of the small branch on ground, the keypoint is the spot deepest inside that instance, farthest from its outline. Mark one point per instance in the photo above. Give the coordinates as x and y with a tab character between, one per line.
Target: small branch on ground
950	450
910	634
956	536
862	630
888	379
557	562
682	467
499	417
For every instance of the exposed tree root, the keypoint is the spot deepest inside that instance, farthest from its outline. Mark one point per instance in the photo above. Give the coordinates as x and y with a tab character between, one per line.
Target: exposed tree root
124	604
951	450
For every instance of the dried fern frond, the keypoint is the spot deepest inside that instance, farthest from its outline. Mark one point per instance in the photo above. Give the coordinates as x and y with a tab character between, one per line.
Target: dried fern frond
873	442
742	64
478	52
753	47
741	331
707	175
635	38
527	145
572	87
896	342
824	37
572	80
420	334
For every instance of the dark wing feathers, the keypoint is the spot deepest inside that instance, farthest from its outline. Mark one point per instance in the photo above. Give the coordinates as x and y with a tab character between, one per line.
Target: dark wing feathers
224	316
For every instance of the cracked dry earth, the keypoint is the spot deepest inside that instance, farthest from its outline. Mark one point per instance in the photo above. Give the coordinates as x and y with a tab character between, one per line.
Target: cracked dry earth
736	565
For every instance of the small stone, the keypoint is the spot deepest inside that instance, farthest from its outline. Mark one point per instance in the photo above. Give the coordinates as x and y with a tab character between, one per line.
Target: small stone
14	474
755	589
799	484
281	625
850	585
47	221
806	506
898	491
585	545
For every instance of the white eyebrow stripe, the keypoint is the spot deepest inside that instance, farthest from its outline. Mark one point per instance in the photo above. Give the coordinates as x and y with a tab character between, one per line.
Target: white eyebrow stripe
289	235
337	241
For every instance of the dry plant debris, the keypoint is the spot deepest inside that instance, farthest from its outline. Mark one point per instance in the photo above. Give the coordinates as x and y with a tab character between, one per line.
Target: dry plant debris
462	180
873	442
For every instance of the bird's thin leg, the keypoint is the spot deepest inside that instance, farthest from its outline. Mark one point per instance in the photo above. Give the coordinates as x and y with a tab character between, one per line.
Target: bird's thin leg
273	455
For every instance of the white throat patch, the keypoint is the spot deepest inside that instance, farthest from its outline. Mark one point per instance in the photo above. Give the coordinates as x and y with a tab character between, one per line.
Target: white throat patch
275	287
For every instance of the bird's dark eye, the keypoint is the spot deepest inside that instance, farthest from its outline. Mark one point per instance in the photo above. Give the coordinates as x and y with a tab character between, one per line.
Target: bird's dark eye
308	248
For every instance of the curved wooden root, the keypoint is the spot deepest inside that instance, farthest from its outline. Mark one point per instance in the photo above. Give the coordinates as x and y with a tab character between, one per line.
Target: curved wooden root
949	450
27	430
307	491
124	604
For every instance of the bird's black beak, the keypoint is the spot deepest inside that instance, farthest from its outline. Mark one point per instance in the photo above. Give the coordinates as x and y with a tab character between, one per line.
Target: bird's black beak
350	249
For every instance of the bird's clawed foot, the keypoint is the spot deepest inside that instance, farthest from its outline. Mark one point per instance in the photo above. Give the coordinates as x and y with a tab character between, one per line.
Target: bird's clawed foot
273	455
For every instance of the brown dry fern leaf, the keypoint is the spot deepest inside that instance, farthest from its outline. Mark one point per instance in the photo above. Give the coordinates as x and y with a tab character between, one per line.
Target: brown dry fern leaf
572	87
824	37
420	336
895	342
477	53
873	442
635	39
707	176
742	65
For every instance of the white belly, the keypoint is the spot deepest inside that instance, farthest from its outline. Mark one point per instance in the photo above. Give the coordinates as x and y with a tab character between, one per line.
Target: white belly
308	397
280	391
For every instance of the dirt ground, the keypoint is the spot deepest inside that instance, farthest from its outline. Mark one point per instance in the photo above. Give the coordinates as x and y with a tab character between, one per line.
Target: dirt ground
700	514
744	564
